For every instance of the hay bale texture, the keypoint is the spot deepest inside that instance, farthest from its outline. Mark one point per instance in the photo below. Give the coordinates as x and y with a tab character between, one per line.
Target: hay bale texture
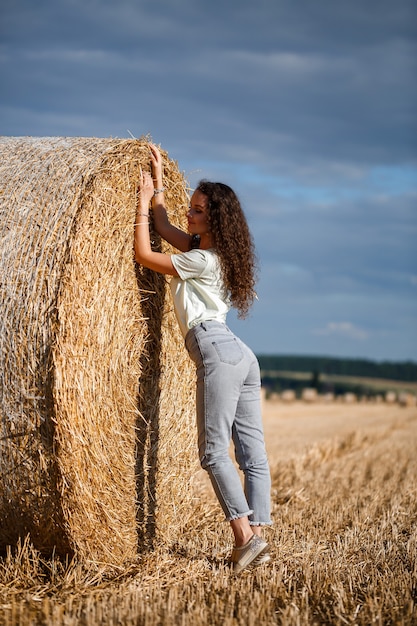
96	388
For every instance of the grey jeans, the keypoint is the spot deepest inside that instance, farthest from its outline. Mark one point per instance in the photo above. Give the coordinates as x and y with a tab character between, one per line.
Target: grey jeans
229	408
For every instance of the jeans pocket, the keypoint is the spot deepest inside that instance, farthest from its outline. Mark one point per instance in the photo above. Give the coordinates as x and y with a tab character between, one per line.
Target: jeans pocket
228	351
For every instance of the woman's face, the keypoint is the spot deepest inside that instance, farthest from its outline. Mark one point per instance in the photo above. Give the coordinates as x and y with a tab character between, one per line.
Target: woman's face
197	215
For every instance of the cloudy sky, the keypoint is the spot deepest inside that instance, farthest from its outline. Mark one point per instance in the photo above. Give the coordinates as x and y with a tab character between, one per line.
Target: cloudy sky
307	108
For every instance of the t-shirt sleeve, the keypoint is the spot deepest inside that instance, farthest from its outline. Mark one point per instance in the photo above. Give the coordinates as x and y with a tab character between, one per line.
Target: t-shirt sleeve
190	264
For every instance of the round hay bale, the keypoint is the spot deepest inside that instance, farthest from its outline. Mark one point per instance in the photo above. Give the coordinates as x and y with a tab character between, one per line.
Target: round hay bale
328	397
406	399
309	395
350	398
390	397
96	389
288	395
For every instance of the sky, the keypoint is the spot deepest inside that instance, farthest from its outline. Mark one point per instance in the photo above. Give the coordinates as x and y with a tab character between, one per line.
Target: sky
307	108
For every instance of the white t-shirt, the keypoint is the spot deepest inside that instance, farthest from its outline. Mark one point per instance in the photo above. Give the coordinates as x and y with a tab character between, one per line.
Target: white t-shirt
198	291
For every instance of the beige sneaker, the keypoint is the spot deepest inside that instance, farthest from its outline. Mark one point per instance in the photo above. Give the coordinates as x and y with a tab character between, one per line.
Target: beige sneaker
246	555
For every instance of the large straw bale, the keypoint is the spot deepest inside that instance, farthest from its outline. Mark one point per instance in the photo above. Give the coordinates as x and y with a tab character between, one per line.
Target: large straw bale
96	389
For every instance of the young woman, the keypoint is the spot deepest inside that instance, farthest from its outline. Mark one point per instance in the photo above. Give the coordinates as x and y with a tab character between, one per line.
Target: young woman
214	271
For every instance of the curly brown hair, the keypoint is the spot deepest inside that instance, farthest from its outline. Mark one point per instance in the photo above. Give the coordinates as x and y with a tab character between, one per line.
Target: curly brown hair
233	242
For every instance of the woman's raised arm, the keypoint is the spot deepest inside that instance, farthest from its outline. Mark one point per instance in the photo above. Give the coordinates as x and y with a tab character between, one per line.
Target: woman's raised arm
157	261
173	235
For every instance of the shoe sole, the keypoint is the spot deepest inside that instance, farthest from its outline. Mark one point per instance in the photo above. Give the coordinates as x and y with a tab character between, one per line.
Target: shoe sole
262	559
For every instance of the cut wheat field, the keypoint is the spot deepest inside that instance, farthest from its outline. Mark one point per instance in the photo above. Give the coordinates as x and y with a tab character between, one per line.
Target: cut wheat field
344	541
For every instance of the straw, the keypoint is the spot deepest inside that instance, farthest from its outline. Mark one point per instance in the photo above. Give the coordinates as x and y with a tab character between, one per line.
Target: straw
96	389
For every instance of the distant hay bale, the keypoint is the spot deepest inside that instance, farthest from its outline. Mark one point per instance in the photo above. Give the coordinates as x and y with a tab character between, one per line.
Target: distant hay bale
309	394
288	396
327	397
96	390
390	397
406	399
349	398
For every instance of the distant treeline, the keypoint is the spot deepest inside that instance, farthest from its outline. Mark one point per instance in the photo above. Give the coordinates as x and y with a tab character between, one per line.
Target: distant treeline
403	371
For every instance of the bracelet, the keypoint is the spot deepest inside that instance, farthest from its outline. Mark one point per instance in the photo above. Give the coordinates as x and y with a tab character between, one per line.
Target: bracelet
142	224
156	191
144	214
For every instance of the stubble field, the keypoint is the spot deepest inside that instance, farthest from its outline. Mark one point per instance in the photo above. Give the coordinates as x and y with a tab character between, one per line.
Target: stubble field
344	542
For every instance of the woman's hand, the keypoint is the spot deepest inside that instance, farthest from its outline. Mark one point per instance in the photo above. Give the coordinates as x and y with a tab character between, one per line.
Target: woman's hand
145	191
156	161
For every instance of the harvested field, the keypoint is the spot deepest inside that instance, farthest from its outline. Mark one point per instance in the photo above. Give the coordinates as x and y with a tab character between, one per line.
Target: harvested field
344	544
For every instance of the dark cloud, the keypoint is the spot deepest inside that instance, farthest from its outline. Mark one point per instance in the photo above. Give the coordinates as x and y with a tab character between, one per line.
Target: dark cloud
307	108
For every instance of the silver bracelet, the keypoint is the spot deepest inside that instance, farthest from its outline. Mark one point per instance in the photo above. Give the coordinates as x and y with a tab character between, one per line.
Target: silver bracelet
156	191
141	223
